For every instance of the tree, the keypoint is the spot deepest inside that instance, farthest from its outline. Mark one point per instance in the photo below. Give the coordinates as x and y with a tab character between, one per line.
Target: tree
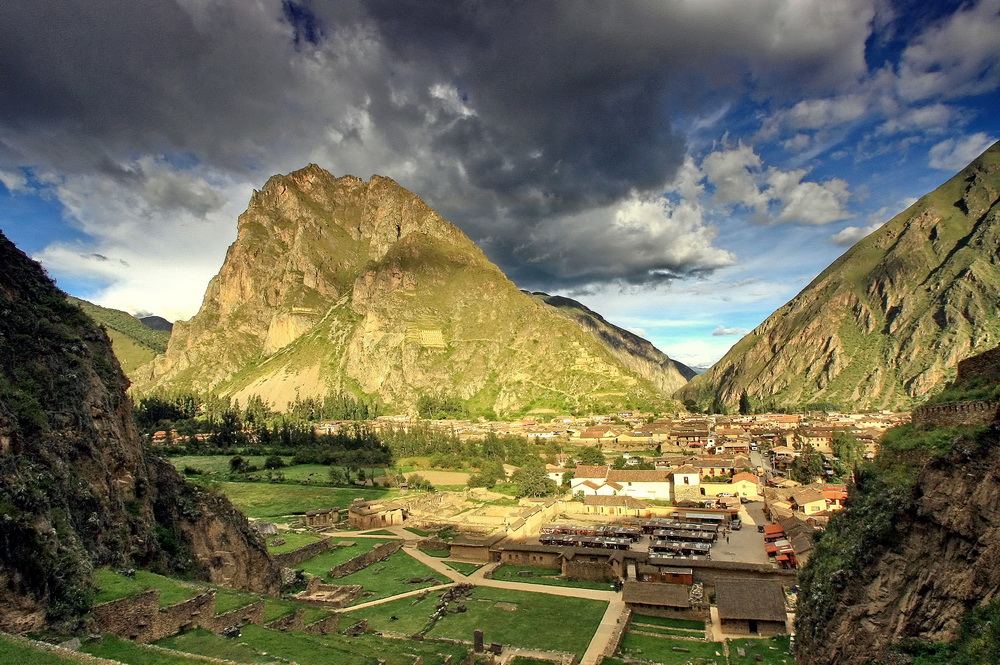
808	465
848	449
533	481
745	408
591	455
274	462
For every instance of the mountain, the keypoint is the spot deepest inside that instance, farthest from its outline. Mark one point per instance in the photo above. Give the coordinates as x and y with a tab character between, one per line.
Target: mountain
885	324
912	565
341	286
134	342
156	323
630	349
77	489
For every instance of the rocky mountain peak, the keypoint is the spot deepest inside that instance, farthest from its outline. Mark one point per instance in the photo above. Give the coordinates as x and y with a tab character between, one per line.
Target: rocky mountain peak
338	284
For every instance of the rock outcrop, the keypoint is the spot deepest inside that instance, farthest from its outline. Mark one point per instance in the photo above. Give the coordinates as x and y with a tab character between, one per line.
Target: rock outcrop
916	550
341	286
884	325
77	490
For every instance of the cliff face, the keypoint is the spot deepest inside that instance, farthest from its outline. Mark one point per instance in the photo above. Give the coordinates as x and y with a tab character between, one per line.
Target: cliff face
945	562
337	285
884	323
918	546
76	488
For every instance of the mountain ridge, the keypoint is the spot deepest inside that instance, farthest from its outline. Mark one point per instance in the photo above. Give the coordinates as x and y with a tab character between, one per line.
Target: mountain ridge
886	323
337	285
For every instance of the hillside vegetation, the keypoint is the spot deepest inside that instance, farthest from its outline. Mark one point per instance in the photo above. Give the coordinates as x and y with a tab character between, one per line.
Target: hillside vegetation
885	324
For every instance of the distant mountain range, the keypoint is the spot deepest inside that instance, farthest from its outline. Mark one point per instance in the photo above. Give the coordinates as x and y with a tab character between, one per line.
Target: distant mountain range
337	285
888	321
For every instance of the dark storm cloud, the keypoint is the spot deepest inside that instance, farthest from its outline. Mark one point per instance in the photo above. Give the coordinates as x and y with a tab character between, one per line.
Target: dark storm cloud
510	118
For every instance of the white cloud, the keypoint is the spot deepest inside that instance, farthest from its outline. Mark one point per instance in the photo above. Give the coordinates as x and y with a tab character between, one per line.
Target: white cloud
955	154
14	181
807	202
698	352
722	331
155	237
850	235
956	57
774	196
930	118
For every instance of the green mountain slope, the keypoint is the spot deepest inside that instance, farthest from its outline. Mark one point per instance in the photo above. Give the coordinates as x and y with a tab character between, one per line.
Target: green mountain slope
345	286
886	323
134	342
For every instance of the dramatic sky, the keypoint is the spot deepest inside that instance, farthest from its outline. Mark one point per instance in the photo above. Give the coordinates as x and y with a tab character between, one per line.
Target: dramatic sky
683	167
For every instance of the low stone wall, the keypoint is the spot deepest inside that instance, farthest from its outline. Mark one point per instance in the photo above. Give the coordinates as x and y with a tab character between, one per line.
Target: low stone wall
322	627
433	543
972	412
618	633
132	618
295	557
578	568
196	612
241	616
361	561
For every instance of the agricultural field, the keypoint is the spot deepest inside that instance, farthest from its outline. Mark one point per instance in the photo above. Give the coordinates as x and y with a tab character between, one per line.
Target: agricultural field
293	541
272	500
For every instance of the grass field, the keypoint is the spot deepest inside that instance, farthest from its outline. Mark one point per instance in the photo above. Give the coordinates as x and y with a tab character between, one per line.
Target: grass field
775	651
13	651
464	568
112	586
661	650
265	500
669	622
206	643
124	651
518	618
545	576
391	577
321	563
293	541
364	650
504	615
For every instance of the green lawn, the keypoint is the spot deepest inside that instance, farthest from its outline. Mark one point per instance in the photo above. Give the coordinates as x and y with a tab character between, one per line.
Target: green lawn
293	541
218	464
464	568
15	652
661	650
522	618
206	643
320	564
525	619
266	500
440	554
112	586
673	632
227	600
774	651
545	576
124	651
391	577
364	650
670	622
